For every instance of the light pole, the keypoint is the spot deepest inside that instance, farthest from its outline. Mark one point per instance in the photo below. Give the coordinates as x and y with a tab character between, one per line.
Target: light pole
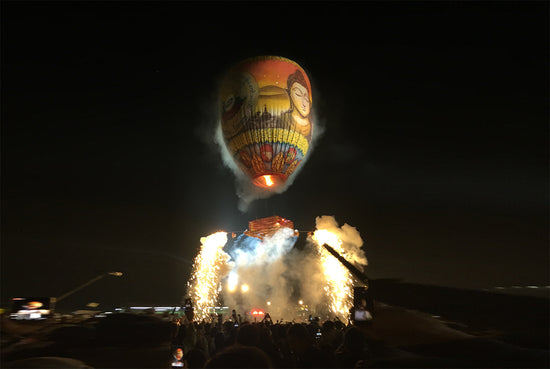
93	280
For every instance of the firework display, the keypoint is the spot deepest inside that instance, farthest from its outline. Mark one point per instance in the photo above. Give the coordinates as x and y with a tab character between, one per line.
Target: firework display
262	271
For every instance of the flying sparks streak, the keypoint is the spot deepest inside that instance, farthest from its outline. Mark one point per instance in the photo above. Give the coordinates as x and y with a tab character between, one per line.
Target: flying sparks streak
205	283
339	283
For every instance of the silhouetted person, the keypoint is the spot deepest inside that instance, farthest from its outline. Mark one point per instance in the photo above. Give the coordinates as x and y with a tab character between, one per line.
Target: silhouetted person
303	352
195	359
189	310
240	357
353	350
248	335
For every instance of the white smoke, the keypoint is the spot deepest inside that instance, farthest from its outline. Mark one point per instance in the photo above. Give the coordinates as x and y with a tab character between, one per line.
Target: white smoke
350	237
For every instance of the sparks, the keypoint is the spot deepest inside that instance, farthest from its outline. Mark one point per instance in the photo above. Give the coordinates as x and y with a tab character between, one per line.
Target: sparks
339	284
204	285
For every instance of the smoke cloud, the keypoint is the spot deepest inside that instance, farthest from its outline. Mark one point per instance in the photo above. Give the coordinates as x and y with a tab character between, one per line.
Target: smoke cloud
350	237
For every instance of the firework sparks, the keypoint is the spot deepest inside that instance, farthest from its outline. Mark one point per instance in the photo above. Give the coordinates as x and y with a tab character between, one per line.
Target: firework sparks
339	285
208	269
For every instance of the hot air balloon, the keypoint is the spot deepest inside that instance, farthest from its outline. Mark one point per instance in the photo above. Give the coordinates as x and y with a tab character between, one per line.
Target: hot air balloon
266	117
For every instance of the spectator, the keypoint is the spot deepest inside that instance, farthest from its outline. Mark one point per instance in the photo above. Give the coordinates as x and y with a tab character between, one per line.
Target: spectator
195	359
353	350
240	357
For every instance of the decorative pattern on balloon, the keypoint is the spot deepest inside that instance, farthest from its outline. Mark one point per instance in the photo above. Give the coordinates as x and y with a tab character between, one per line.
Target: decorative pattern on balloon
266	117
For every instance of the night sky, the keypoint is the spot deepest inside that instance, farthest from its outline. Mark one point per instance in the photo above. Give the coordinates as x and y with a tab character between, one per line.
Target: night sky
435	143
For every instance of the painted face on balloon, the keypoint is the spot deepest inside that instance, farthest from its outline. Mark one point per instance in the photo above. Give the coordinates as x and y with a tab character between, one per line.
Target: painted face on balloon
300	99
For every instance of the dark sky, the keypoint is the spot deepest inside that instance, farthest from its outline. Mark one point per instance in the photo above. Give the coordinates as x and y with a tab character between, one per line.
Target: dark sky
435	141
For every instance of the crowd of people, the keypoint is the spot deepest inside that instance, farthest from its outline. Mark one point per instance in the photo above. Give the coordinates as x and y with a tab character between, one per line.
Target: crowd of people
264	344
394	338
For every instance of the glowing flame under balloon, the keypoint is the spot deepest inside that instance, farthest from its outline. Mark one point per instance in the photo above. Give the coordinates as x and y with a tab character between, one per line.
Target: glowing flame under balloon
339	287
268	180
204	285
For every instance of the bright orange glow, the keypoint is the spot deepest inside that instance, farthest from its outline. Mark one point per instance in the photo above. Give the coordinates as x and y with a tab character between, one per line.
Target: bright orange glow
270	180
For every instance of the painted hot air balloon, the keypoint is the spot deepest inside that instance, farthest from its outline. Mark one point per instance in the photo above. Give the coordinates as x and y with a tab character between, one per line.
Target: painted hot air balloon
266	117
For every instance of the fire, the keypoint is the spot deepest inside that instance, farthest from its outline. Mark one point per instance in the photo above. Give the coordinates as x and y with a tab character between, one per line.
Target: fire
268	181
339	286
204	284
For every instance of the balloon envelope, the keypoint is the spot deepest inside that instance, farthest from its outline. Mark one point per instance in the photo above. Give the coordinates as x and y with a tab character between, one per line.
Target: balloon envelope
266	117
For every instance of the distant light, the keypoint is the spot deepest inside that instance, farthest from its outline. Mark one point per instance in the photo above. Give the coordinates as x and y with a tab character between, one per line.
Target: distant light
116	274
244	288
269	303
300	302
163	308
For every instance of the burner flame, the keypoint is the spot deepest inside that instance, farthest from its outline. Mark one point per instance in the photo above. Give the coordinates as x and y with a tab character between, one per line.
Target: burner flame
268	181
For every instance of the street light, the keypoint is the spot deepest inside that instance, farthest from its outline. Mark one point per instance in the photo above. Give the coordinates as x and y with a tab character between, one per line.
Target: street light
93	280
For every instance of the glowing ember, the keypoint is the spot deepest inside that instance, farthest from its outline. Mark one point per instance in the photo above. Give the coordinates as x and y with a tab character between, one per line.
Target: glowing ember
204	285
268	180
339	287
